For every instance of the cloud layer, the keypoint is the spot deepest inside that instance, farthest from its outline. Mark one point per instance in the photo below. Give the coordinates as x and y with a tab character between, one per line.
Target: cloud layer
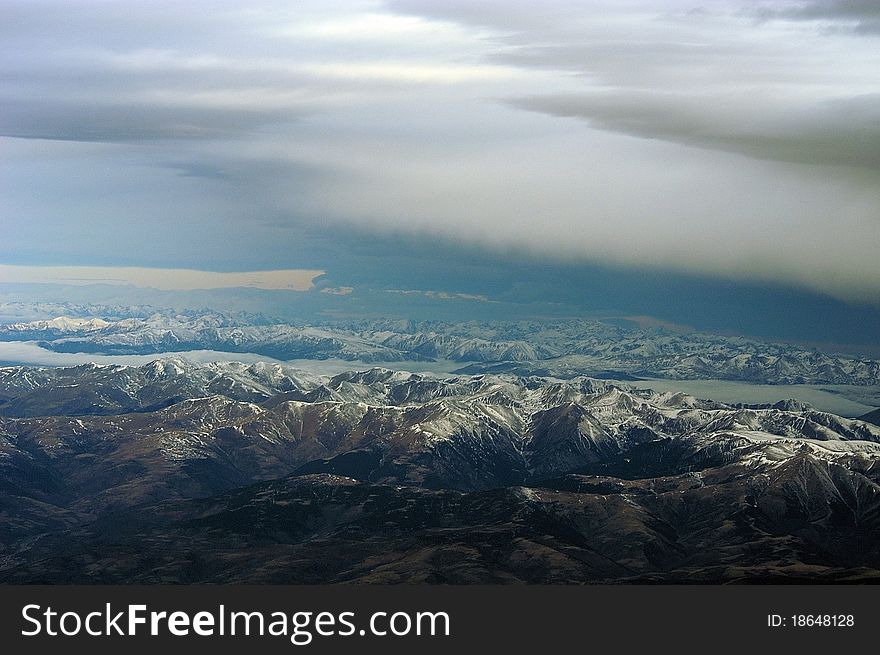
733	139
166	279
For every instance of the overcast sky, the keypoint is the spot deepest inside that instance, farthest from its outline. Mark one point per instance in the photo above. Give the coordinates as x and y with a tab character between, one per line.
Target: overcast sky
731	139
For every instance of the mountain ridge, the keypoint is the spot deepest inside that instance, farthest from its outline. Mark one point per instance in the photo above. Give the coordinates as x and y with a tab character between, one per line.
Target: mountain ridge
561	348
385	475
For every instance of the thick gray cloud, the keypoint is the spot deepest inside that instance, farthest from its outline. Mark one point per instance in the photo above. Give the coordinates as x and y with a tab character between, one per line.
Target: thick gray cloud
843	132
733	139
860	15
788	82
705	77
99	71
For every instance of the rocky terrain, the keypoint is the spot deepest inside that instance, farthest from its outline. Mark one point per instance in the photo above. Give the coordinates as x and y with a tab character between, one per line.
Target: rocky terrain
173	472
563	349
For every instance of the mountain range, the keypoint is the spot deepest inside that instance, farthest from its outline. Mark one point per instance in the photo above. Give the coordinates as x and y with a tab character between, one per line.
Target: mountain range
175	472
614	349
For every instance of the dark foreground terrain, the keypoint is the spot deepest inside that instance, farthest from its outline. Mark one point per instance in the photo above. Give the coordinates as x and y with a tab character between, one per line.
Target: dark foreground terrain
175	473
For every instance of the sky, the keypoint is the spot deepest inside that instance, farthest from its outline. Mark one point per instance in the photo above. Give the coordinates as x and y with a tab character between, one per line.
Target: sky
732	145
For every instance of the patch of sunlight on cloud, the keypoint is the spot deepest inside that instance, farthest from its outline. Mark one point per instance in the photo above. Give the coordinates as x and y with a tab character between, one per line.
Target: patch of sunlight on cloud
410	72
165	279
375	27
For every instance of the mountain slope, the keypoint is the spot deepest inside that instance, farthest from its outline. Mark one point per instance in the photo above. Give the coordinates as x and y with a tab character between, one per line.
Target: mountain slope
562	348
383	476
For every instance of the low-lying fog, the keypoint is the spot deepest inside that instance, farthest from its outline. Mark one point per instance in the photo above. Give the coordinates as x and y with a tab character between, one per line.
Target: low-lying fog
845	400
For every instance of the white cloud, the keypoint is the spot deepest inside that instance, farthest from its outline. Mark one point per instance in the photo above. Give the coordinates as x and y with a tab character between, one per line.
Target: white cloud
730	141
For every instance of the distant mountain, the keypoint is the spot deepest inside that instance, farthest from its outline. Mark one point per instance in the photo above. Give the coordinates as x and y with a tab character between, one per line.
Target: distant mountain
173	472
562	349
111	389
